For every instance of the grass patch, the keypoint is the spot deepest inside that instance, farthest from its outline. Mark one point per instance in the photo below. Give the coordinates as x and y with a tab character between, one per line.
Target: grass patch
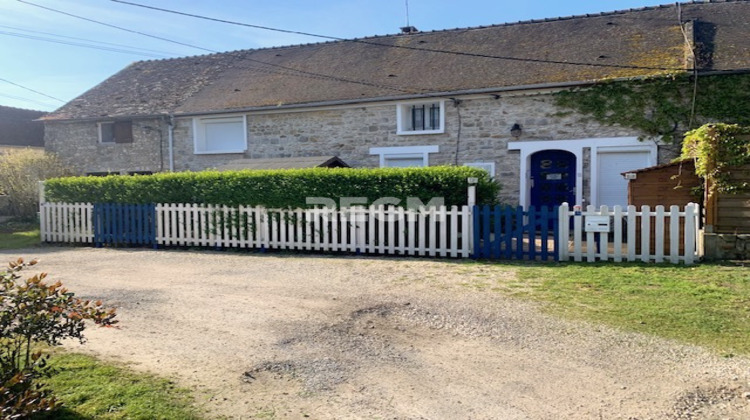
707	304
16	235
91	389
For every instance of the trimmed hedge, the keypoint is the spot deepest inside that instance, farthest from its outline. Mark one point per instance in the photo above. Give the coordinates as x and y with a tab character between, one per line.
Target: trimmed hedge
277	188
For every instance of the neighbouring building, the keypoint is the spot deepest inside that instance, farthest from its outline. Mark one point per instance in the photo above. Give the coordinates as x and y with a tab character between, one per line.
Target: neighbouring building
20	128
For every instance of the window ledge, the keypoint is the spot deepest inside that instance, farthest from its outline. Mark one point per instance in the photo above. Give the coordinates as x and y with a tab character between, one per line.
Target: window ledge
421	132
219	152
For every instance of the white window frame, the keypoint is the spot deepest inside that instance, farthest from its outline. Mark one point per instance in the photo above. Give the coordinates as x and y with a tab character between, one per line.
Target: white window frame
487	166
403	115
413	152
199	124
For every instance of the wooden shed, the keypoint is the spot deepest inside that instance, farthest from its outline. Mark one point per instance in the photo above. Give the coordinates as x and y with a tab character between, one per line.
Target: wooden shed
671	184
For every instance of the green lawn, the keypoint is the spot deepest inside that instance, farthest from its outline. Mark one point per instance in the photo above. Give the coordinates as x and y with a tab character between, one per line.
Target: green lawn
15	235
707	304
90	389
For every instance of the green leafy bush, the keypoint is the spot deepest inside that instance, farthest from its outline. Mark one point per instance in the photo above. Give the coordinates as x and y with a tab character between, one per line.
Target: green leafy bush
33	312
717	149
20	172
278	188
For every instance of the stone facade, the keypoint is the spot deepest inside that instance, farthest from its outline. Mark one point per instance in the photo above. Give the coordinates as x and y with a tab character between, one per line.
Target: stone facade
77	144
477	129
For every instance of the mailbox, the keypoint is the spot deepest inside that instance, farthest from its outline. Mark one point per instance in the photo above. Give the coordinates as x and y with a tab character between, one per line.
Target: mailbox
597	224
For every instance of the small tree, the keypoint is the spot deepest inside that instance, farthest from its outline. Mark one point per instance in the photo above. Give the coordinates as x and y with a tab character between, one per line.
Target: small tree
33	312
20	172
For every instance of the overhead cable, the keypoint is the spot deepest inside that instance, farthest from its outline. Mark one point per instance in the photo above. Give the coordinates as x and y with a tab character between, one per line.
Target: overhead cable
114	26
79	44
130	47
31	90
238	55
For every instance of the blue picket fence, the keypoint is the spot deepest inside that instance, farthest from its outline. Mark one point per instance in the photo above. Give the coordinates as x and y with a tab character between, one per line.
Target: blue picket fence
124	224
505	232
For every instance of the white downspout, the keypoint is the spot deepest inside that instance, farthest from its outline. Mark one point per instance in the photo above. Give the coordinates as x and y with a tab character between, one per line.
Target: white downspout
170	123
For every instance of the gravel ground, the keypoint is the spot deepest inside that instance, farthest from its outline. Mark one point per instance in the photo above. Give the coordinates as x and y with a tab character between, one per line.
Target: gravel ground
297	336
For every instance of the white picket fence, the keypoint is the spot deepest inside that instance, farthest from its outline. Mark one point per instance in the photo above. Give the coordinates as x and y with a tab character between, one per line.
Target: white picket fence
66	222
631	235
434	231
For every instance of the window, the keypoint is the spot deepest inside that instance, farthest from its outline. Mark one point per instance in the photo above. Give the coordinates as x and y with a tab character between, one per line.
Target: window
421	118
226	134
487	166
401	157
116	132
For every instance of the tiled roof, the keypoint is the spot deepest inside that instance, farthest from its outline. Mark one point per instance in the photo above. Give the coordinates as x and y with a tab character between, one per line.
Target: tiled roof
18	128
629	43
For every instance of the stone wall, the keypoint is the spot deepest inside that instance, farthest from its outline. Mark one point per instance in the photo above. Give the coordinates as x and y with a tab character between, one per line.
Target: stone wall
77	144
347	132
718	246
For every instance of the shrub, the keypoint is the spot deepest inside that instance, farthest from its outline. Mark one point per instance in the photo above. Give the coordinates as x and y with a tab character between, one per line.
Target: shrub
34	312
277	188
717	150
20	172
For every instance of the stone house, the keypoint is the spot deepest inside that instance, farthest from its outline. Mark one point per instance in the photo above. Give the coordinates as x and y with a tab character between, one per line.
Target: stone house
479	96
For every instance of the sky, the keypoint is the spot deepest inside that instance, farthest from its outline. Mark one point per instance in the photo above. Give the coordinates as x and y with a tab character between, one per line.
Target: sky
49	57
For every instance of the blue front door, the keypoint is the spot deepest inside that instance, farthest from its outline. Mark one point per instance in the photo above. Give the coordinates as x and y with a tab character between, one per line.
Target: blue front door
553	178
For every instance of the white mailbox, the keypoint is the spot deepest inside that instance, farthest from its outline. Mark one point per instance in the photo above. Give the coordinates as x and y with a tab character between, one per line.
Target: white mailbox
597	224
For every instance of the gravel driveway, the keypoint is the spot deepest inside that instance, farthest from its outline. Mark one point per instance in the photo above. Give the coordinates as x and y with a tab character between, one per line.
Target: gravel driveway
293	336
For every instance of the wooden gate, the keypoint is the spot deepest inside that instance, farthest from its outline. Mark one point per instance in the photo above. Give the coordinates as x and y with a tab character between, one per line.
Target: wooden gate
124	224
504	232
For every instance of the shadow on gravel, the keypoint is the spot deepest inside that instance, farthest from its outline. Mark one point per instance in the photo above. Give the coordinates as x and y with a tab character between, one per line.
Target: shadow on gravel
325	356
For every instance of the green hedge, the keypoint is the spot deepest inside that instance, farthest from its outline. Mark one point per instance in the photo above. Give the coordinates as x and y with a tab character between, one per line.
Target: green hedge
277	188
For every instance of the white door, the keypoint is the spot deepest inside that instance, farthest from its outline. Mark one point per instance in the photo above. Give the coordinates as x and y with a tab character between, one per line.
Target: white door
612	187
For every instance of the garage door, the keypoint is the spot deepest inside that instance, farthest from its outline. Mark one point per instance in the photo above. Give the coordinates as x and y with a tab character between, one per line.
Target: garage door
612	187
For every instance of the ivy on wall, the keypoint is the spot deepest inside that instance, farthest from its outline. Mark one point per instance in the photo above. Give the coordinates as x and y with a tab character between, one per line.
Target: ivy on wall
717	149
663	106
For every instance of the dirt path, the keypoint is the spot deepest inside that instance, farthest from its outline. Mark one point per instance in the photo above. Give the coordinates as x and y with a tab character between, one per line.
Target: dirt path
323	337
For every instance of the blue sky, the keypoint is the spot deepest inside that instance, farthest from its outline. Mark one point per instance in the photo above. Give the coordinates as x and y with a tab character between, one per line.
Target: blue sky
62	71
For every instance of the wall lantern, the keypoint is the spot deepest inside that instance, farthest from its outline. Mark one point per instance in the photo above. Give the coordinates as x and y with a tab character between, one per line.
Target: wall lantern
516	131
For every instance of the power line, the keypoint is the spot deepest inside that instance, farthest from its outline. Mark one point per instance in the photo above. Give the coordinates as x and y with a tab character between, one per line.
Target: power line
78	44
162	53
19	98
114	26
405	47
31	90
237	55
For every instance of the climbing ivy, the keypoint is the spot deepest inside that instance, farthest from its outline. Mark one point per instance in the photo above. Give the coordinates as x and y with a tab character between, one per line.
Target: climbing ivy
662	106
717	149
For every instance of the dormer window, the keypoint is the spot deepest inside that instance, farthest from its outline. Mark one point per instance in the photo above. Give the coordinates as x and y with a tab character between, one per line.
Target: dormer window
421	118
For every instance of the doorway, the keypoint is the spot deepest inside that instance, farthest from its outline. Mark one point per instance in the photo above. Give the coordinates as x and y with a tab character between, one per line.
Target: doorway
553	178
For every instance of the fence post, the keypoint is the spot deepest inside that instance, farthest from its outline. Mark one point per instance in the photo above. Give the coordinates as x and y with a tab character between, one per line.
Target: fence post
471	202
42	218
563	226
691	231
